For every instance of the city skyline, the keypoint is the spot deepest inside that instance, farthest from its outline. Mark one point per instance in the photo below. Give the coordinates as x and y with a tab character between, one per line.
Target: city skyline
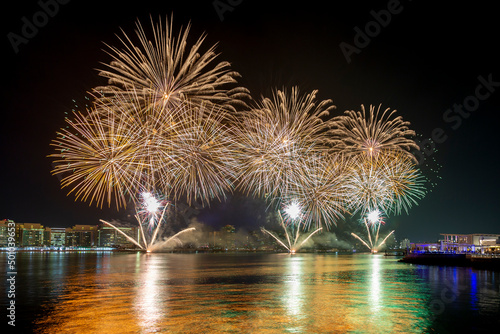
423	62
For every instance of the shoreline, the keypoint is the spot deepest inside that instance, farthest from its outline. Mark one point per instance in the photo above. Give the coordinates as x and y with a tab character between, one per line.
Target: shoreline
458	260
177	251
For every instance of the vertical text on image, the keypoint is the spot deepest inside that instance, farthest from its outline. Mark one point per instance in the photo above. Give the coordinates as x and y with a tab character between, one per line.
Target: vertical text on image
11	274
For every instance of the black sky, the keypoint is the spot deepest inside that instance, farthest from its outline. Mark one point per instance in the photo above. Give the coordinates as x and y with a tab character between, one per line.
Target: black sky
425	60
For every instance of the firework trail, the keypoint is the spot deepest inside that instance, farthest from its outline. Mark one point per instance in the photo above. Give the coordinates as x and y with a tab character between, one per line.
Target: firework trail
132	240
166	241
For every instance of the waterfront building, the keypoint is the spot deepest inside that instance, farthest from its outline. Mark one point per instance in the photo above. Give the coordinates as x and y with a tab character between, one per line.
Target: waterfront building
46	237
425	247
471	243
55	237
462	243
4	232
81	236
30	235
404	244
110	237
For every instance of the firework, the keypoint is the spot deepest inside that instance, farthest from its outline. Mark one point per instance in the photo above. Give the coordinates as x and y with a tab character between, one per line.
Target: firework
156	125
150	215
97	159
205	164
274	138
406	183
321	189
107	153
370	133
164	67
373	219
291	227
120	147
167	241
293	210
390	182
367	185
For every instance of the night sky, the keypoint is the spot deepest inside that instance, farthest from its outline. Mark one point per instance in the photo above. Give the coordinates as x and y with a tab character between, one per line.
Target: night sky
422	61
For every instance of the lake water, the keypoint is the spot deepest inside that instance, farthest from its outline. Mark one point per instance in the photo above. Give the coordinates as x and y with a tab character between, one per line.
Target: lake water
247	293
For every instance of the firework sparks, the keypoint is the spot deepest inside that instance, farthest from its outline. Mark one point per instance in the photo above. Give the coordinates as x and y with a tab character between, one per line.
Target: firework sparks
391	182
163	66
151	204
373	218
372	132
275	136
291	229
204	147
97	158
321	190
120	145
293	210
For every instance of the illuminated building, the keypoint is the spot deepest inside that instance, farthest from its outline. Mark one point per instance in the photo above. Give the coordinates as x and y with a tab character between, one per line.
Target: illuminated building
110	237
4	236
55	236
462	243
424	247
475	243
30	235
81	236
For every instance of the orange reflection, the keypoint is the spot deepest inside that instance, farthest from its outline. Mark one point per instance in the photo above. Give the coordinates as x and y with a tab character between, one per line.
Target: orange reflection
206	293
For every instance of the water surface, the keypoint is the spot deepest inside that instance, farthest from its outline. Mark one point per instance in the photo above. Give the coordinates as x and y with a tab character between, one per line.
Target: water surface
248	293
